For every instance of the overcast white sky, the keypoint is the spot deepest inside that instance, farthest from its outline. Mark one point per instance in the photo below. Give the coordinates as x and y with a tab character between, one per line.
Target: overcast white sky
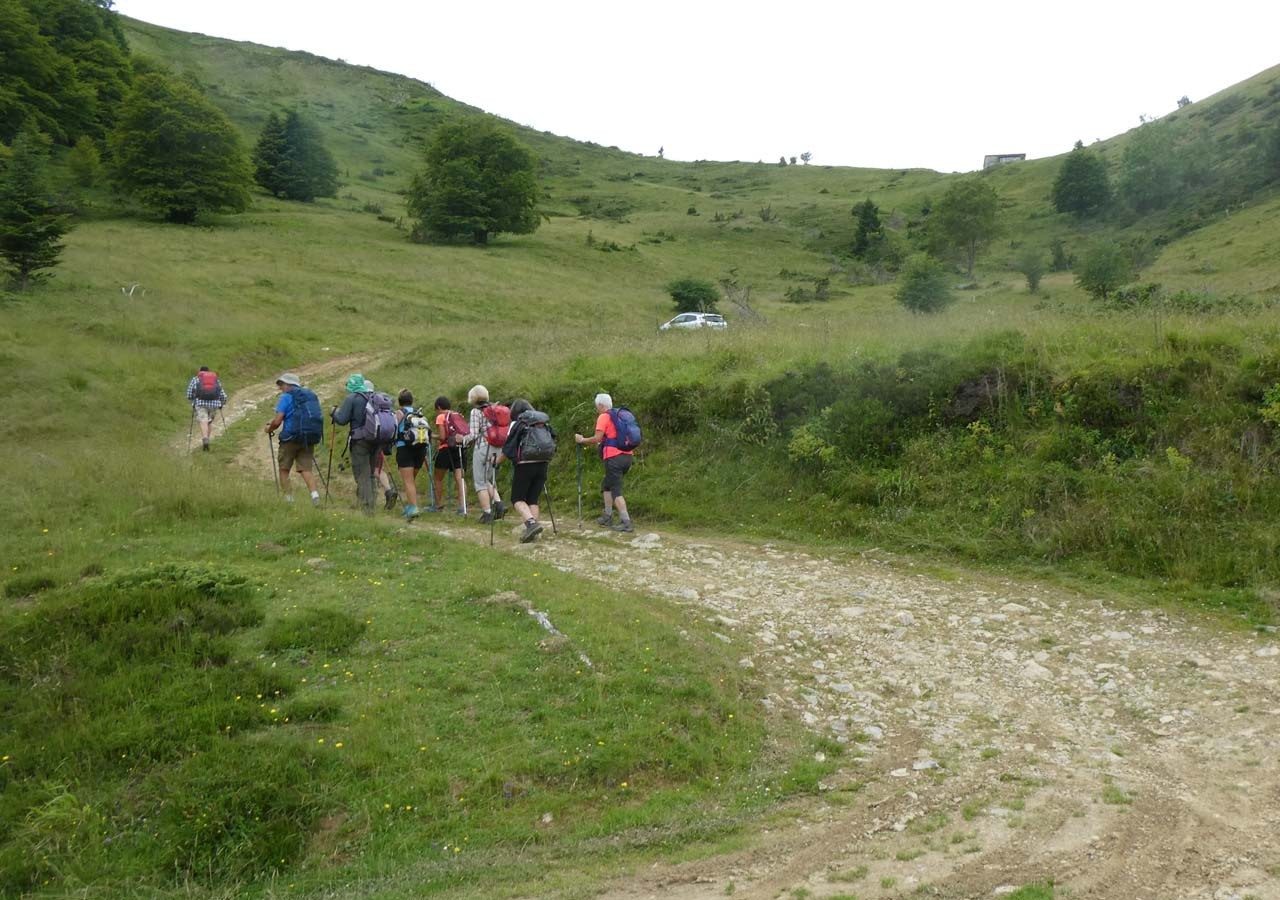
906	84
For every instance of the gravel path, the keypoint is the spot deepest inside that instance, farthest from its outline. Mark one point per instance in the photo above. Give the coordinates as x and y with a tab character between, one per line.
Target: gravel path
996	733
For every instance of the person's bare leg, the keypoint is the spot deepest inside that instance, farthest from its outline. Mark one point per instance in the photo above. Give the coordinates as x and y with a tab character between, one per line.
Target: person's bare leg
309	477
620	504
437	478
284	483
526	512
409	475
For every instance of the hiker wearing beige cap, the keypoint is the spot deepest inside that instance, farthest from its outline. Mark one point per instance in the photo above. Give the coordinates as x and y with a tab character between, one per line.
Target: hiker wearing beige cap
301	427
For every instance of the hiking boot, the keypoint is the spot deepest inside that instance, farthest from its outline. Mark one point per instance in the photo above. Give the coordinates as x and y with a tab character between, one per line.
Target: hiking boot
392	496
499	509
433	509
486	517
315	501
411	512
606	521
532	529
624	526
204	442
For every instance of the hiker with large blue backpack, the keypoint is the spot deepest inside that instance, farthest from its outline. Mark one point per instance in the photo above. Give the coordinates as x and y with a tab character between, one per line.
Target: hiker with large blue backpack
300	422
372	423
618	435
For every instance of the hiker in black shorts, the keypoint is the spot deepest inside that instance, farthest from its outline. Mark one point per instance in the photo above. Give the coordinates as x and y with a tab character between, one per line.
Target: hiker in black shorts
530	445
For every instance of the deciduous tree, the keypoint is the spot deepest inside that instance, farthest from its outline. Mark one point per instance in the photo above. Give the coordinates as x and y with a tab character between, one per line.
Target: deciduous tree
693	295
1104	268
177	153
478	182
922	287
965	218
1081	187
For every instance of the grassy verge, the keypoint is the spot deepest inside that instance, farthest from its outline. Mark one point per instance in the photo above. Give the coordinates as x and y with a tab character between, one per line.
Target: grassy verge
313	699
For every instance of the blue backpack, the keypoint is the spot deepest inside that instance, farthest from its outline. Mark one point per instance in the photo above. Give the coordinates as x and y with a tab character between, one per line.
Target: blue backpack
308	420
627	427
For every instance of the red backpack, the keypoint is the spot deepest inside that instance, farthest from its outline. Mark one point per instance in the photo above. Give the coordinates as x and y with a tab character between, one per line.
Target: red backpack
207	386
455	426
499	418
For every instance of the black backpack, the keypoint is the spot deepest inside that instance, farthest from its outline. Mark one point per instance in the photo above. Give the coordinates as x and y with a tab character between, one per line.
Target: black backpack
537	440
308	418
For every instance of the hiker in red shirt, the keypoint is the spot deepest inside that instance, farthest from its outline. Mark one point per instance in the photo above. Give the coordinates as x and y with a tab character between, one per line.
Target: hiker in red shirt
616	463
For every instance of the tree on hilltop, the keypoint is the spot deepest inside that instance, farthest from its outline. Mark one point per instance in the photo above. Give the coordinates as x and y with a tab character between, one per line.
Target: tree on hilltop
478	182
1081	187
31	229
290	160
177	153
965	218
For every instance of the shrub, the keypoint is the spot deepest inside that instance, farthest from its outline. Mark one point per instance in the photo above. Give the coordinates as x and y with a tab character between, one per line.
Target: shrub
923	285
1105	267
1031	264
693	295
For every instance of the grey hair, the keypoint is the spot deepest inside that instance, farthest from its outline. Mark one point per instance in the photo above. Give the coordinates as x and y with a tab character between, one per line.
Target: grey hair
478	394
604	400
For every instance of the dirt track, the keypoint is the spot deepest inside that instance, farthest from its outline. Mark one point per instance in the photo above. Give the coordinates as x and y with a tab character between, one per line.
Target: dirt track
996	733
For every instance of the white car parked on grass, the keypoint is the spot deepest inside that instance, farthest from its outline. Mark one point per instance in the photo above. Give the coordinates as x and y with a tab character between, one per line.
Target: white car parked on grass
695	320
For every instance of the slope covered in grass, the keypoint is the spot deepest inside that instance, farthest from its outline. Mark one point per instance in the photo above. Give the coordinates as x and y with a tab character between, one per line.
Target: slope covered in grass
146	593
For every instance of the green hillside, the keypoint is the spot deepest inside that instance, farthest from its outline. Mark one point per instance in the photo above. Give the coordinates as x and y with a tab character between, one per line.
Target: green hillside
368	666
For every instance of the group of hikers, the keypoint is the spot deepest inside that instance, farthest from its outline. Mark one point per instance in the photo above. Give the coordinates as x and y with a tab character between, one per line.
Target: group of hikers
494	433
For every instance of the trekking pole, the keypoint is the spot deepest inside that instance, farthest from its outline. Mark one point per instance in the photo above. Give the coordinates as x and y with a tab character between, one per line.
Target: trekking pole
333	433
579	487
551	512
462	467
493	475
275	470
191	428
448	481
431	473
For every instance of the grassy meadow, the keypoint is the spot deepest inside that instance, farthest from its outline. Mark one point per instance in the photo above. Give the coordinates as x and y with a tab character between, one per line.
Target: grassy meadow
173	641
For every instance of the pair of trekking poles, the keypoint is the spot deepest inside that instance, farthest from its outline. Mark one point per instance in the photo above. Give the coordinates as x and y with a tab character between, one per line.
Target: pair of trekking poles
191	428
275	468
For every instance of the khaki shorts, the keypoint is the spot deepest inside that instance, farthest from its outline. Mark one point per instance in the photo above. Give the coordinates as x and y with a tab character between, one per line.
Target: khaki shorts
206	413
296	451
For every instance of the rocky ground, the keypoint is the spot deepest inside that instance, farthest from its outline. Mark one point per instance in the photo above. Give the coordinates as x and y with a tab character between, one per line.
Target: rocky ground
995	733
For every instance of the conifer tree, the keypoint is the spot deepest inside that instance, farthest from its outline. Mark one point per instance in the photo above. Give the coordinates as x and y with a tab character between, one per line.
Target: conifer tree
291	161
31	229
869	227
177	153
268	153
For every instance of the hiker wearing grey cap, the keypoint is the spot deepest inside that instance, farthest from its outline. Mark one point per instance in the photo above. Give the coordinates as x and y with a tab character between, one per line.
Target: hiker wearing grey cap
362	450
293	449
